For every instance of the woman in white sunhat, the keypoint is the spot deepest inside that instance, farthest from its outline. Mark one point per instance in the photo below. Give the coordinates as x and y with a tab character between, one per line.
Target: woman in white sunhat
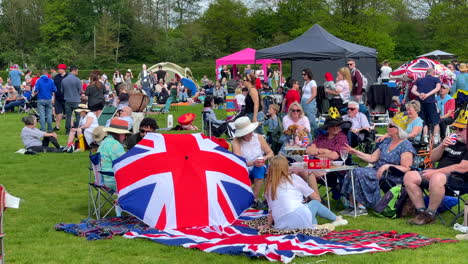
254	148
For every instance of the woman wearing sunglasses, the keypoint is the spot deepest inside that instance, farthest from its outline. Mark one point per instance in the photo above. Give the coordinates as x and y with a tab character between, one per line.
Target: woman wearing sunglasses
296	116
415	123
395	151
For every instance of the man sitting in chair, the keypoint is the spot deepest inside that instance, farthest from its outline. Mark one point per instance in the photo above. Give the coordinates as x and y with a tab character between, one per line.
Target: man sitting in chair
147	125
452	157
360	125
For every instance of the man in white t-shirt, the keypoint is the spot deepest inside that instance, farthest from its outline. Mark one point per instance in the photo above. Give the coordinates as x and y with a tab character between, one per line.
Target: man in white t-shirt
385	71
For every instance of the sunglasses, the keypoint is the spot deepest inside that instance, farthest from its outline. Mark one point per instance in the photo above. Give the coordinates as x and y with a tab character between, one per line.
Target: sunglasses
457	129
144	131
349	64
296	110
352	109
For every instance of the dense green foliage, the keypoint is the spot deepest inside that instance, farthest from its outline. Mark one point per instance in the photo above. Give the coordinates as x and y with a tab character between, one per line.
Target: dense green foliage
108	33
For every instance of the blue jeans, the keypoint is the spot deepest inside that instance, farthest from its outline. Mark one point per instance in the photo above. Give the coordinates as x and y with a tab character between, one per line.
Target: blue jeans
318	209
45	114
311	112
12	105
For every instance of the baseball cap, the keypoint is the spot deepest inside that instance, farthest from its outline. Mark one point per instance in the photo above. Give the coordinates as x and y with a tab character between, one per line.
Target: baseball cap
62	66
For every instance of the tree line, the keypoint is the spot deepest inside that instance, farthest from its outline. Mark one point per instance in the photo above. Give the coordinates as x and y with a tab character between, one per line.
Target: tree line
106	33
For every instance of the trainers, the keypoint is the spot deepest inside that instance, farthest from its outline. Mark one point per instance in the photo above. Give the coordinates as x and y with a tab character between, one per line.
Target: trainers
346	211
340	221
56	129
359	212
422	218
71	149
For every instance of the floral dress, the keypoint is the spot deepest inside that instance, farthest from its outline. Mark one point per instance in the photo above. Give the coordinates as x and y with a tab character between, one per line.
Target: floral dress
367	188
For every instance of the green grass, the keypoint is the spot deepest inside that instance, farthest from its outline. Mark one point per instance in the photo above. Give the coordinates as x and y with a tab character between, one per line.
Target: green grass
54	190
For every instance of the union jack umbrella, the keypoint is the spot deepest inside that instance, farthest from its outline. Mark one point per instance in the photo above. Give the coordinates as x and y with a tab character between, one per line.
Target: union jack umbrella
178	181
417	68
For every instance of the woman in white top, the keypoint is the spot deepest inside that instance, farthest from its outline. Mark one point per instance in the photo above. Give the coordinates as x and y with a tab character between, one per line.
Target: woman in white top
285	194
88	122
296	116
309	92
254	149
117	79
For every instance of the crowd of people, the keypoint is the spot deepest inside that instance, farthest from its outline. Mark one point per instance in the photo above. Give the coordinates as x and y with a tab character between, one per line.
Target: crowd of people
292	198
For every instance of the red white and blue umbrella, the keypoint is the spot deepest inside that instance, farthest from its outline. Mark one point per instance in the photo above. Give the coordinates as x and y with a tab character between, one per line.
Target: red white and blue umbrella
415	69
178	181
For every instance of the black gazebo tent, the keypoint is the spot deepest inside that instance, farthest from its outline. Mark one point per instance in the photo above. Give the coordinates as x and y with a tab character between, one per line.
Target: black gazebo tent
322	52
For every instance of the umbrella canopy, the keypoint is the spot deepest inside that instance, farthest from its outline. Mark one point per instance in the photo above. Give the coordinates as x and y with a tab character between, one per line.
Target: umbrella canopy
438	54
178	181
190	85
417	68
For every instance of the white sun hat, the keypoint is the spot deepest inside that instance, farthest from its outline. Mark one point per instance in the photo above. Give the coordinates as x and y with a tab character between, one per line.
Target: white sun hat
244	126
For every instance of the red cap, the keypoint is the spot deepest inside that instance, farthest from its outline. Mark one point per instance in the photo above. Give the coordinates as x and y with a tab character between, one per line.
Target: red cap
328	77
186	119
62	66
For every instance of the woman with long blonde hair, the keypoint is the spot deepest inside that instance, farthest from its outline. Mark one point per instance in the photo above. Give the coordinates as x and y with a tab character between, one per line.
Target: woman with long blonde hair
284	193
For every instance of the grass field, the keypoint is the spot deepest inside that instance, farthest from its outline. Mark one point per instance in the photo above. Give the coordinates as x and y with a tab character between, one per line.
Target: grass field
54	189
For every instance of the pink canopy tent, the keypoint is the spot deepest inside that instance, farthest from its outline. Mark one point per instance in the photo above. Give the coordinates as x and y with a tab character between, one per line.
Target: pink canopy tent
246	56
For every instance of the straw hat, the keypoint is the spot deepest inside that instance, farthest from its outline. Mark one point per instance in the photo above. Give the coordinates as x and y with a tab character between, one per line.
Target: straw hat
82	108
99	134
461	120
244	126
463	67
118	126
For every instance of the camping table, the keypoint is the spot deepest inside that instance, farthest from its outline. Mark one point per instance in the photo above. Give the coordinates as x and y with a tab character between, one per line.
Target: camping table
331	169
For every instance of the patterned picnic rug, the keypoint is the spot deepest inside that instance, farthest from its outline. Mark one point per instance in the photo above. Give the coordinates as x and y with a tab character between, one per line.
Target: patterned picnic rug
239	239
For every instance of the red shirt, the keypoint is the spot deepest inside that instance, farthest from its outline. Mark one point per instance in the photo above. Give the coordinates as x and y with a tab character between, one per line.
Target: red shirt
33	81
291	97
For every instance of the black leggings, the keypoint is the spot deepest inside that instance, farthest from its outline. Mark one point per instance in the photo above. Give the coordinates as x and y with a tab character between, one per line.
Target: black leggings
45	145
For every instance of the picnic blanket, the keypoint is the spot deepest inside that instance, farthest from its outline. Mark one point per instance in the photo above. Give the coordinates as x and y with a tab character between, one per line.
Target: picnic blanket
239	239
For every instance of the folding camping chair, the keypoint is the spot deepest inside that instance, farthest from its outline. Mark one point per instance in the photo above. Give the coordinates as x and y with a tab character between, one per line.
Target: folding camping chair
2	235
455	187
99	195
107	113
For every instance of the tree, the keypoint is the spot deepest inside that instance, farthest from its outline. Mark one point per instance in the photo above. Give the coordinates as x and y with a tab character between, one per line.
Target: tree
106	43
225	25
447	27
185	10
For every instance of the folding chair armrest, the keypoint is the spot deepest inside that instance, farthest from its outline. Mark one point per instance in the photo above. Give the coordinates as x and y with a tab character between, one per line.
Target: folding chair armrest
107	173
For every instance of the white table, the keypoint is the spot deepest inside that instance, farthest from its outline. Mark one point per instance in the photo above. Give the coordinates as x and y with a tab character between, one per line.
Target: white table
331	169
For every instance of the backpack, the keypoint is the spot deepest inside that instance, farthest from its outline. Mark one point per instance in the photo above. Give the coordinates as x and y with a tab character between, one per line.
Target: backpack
391	204
365	82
